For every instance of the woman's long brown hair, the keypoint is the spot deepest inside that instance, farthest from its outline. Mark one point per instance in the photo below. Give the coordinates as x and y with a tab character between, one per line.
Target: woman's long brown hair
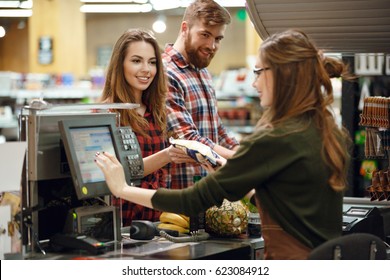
303	89
117	90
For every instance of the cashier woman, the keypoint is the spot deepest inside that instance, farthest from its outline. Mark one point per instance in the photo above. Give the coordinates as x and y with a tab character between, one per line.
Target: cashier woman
296	160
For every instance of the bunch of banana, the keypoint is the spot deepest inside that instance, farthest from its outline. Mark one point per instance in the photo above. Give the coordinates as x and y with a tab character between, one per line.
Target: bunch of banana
172	221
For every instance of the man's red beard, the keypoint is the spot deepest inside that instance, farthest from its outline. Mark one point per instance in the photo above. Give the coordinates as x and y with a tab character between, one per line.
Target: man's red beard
193	56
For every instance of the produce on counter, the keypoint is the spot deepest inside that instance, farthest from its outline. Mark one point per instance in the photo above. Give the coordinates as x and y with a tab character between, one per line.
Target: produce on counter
228	220
172	221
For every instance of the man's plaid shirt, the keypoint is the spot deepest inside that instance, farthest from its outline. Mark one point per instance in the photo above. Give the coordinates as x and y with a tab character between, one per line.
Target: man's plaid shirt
192	113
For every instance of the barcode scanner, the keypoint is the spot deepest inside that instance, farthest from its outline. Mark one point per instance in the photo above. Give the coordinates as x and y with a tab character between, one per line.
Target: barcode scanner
142	230
147	230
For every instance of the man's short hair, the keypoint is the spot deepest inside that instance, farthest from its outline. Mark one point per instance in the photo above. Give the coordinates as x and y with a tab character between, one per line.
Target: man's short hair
209	12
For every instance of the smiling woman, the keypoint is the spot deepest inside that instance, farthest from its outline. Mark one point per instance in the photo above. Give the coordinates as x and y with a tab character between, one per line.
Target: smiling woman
135	75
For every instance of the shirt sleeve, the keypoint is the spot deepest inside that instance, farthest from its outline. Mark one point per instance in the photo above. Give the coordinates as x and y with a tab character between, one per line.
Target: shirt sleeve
179	118
185	98
224	139
252	165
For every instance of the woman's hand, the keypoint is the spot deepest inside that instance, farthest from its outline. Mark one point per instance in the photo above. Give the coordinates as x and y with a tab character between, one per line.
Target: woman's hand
113	172
221	161
210	169
177	155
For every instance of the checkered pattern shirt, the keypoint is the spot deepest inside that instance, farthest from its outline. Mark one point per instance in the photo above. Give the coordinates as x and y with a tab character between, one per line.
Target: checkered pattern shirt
155	180
192	113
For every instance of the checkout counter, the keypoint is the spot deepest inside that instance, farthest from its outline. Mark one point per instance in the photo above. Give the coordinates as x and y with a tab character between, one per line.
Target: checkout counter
63	190
363	215
60	182
162	249
360	215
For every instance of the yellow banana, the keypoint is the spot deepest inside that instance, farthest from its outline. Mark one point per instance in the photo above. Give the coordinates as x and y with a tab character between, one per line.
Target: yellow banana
185	217
172	227
175	219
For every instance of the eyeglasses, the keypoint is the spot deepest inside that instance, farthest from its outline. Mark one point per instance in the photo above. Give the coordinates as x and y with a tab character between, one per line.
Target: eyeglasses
257	71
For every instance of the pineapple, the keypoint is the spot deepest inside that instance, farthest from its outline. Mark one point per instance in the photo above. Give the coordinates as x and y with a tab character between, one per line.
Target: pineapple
228	220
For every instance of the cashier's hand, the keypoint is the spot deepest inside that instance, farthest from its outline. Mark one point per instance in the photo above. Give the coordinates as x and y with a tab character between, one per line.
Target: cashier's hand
210	169
113	172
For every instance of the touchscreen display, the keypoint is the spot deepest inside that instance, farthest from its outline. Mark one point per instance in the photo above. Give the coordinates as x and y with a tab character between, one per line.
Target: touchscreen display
87	141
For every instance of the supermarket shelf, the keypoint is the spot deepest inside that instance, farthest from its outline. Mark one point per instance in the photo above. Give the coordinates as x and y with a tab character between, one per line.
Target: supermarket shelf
244	129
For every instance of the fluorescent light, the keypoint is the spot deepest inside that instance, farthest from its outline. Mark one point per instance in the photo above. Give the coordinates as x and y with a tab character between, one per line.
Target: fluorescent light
9	4
173	4
15	13
159	5
16	4
115	1
120	8
26	4
231	3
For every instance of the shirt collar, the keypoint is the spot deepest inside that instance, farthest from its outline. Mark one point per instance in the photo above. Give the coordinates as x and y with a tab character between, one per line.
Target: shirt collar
177	57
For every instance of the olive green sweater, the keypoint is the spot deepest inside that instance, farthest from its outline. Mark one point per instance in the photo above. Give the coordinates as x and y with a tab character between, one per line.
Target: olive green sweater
290	179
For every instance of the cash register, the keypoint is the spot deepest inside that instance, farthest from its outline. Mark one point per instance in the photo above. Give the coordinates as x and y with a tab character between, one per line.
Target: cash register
367	219
65	197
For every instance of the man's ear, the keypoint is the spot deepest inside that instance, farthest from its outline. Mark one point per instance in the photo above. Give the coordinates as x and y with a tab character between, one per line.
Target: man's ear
184	27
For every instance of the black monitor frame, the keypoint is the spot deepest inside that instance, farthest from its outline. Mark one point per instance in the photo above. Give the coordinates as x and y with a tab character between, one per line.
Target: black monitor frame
87	189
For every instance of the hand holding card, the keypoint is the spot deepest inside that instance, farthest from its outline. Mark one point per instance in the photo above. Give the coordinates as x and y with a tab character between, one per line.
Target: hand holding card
197	150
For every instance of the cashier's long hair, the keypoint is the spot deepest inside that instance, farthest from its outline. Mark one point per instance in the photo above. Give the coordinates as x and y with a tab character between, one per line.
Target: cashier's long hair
117	90
303	90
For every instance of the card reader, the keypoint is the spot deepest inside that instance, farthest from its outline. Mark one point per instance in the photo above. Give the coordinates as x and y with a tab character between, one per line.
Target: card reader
63	241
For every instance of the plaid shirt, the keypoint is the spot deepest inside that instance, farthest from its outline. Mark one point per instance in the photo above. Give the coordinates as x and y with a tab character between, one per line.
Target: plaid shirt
155	180
192	113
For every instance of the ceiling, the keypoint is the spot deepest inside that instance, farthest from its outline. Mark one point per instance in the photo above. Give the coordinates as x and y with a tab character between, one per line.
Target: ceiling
144	6
342	26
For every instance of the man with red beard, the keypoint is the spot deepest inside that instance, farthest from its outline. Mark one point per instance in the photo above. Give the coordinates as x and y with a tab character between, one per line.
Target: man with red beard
191	102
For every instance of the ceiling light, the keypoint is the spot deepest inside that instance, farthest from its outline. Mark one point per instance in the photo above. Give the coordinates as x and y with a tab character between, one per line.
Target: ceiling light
159	26
159	5
231	3
9	4
28	4
115	1
2	32
120	8
15	13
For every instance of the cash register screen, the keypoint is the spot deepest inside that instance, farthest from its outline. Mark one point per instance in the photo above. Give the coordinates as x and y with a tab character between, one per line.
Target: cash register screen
87	142
82	139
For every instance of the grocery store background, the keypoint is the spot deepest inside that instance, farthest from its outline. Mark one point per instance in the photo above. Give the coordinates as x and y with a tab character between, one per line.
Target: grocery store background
57	50
81	41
